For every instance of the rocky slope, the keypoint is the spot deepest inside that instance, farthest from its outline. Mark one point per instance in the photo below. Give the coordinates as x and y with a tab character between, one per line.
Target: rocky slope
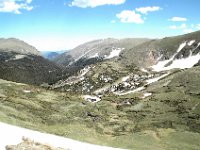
141	52
105	48
151	52
137	65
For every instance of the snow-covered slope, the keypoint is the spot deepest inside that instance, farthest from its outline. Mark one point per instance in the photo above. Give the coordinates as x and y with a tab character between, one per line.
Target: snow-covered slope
12	135
114	53
163	51
178	60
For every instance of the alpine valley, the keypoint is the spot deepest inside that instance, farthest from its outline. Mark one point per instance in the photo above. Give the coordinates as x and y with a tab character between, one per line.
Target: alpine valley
134	93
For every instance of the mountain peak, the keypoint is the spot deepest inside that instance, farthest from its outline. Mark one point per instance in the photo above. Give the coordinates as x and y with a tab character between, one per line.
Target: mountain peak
18	46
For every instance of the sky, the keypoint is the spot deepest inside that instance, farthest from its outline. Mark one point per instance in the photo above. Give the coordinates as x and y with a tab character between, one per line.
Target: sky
52	25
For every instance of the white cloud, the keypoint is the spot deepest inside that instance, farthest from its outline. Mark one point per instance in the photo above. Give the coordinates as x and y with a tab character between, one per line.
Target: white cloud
128	16
182	26
145	10
187	30
15	6
95	3
176	19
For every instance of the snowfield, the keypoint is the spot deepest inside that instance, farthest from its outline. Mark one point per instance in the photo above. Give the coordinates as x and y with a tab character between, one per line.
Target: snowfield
12	135
178	63
191	42
114	53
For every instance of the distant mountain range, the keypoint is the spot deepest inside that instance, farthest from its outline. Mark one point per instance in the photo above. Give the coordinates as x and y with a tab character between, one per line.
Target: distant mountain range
20	60
17	46
52	54
142	52
97	49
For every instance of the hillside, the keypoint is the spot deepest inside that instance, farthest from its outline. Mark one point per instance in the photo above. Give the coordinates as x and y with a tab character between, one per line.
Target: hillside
146	96
97	49
21	62
132	68
164	115
149	53
17	46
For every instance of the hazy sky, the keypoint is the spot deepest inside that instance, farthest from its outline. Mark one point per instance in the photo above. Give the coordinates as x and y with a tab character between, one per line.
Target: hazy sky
64	24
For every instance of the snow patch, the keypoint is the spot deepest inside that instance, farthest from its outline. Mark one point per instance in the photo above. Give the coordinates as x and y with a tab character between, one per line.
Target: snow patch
12	135
191	42
102	90
93	99
144	70
94	56
114	53
140	88
26	91
19	57
146	95
84	71
159	58
149	81
188	62
178	63
126	84
132	91
125	78
181	47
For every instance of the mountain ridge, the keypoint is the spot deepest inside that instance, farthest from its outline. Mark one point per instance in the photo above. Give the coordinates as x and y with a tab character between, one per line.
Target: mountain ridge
21	62
97	48
150	51
18	46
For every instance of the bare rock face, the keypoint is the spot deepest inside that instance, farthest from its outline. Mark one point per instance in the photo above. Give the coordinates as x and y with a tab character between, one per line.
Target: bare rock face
28	144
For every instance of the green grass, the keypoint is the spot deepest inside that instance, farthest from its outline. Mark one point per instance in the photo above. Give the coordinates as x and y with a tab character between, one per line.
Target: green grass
167	120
